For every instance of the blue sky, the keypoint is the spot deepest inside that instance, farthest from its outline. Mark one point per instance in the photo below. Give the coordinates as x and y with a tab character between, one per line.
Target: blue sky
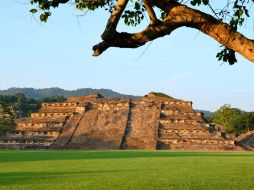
58	54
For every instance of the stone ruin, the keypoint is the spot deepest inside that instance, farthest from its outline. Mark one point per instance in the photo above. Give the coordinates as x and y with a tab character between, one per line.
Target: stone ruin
154	122
246	141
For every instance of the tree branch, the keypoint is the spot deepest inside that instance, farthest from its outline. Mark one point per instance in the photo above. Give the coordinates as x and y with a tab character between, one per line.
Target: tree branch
150	11
55	3
127	40
111	38
178	15
114	19
221	32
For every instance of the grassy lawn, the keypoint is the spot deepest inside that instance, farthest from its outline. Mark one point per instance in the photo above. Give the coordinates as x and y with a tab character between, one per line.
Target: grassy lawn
128	170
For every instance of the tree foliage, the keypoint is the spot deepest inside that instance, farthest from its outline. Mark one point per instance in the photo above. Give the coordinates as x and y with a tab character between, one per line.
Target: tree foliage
235	120
22	106
7	125
6	120
225	21
17	106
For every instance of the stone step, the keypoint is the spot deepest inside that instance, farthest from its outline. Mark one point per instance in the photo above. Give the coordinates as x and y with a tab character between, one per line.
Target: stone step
67	131
200	147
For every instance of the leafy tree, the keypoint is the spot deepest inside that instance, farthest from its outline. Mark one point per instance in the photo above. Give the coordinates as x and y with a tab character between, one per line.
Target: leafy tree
18	105
235	120
248	120
222	24
23	106
7	122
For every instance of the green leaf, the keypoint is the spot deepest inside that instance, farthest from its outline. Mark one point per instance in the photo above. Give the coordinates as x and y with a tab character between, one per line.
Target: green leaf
33	11
44	16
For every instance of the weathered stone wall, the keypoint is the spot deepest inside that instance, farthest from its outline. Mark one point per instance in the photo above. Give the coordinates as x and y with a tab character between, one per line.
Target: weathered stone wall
67	131
102	126
38	131
181	128
83	99
246	140
142	128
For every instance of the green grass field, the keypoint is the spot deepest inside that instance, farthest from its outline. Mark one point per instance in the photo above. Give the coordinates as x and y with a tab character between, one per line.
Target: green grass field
141	170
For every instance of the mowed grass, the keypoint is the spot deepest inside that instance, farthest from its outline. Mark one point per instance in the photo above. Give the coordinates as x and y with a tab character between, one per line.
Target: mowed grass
116	170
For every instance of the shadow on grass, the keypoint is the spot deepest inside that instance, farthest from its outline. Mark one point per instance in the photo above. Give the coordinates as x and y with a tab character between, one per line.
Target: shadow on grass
12	178
18	156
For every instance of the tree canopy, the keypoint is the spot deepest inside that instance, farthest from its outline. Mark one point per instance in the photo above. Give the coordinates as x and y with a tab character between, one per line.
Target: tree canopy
6	120
19	106
165	16
23	106
234	120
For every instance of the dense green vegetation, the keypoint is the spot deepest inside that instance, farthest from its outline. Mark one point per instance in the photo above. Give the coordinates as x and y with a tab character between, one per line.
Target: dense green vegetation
120	170
7	125
50	92
23	106
6	122
235	120
19	106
